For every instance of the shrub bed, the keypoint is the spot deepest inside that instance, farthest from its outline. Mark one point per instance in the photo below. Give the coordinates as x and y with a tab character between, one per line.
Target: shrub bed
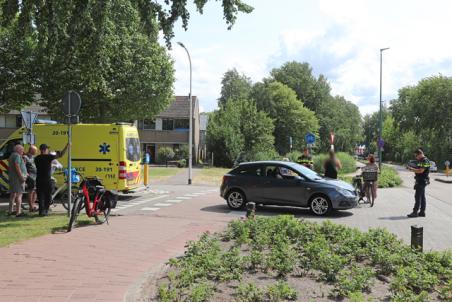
285	259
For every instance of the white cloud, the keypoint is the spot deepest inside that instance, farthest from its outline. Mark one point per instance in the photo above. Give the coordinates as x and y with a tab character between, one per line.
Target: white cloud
339	38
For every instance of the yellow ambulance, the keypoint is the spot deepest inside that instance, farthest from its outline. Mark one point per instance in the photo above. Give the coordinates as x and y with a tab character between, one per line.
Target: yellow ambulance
109	151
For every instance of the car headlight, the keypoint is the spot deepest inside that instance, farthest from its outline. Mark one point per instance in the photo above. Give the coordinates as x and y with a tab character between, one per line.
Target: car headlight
344	192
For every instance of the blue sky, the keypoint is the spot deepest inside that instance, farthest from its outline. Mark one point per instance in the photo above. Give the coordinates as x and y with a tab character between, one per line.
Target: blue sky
340	39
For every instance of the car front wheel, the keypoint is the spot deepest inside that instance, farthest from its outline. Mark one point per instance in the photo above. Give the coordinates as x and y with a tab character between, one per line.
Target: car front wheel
320	205
236	200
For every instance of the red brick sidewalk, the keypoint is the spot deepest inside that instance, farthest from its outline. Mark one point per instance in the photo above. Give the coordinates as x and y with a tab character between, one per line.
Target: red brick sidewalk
100	263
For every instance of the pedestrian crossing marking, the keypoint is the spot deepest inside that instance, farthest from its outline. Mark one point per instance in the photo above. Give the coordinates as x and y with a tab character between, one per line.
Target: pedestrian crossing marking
174	200
162	204
150	209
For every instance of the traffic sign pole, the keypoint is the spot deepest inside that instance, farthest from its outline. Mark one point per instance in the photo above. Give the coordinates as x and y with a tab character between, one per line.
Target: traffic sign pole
71	107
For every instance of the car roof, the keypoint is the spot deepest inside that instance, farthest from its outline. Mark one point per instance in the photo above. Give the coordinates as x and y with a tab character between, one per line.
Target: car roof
267	162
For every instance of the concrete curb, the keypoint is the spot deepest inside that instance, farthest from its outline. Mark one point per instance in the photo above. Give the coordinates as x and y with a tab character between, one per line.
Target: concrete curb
444	181
145	289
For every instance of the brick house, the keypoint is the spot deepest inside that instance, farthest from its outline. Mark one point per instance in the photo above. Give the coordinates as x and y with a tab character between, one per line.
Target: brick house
170	128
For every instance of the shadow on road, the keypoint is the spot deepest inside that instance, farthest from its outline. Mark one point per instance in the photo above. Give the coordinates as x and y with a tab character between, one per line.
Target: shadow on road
393	218
275	210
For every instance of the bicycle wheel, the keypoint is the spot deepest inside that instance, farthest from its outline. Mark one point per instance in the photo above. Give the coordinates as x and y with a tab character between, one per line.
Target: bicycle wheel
74	213
62	198
102	216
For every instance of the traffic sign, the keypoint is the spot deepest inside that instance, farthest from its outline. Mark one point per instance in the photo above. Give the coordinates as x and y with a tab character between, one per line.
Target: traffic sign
29	118
28	138
71	103
381	143
310	138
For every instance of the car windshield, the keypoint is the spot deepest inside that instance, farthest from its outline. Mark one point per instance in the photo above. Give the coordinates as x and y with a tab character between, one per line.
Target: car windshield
305	171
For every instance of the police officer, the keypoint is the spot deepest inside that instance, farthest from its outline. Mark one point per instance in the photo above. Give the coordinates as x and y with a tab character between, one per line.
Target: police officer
421	172
306	159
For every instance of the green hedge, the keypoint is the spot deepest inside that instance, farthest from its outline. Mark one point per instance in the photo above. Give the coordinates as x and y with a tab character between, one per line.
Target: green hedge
348	162
389	178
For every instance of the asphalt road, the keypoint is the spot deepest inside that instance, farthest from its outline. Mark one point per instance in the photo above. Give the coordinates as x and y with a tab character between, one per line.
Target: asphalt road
438	190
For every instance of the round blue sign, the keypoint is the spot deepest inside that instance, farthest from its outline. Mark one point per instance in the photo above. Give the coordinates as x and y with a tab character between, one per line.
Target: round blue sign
310	138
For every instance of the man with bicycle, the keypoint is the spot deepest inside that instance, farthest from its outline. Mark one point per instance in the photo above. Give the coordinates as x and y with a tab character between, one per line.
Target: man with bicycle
43	176
421	172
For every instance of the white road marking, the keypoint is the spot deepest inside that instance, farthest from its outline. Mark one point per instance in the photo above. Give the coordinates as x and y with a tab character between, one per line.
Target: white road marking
125	205
174	200
150	209
183	197
162	204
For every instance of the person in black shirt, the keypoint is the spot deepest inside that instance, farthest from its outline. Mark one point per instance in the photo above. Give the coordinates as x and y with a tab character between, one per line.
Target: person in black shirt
43	164
422	180
332	165
306	159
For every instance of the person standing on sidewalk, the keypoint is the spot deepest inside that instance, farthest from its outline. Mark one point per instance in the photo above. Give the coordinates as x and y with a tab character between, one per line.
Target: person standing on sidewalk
43	178
17	175
422	180
31	179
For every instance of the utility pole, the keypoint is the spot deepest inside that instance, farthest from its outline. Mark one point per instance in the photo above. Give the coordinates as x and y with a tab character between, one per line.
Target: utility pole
190	138
380	132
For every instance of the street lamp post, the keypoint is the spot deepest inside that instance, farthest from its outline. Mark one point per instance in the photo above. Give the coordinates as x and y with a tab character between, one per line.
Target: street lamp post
380	132
190	138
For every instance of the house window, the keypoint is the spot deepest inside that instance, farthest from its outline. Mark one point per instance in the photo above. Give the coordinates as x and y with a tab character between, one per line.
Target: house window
168	124
182	124
149	124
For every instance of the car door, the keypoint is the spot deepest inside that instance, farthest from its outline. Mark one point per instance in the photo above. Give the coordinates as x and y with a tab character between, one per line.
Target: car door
247	178
281	185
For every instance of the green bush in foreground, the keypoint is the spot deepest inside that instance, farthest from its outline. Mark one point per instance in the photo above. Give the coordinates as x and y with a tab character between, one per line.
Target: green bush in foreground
283	247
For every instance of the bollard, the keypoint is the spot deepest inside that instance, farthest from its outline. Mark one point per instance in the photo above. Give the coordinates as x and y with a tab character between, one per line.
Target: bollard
417	237
146	175
250	210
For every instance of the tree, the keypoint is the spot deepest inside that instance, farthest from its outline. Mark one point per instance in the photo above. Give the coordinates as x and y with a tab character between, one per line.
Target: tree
234	86
16	70
344	119
290	117
310	90
425	110
106	50
239	130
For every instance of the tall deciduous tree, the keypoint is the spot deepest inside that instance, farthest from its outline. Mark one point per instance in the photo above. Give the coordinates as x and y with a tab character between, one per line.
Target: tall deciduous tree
344	119
239	130
311	90
107	50
425	109
234	86
290	117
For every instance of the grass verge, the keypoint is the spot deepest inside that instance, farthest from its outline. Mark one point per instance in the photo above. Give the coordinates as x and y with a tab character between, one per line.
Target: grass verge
162	173
210	176
270	259
14	229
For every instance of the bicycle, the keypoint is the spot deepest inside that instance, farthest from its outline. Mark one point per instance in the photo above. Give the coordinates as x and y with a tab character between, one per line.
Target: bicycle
97	201
59	194
363	185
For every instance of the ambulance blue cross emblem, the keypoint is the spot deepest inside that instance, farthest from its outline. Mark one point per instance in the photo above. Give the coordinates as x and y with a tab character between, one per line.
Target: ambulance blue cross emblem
104	148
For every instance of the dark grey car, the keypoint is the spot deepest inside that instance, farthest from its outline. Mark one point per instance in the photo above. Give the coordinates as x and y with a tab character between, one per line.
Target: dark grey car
286	184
